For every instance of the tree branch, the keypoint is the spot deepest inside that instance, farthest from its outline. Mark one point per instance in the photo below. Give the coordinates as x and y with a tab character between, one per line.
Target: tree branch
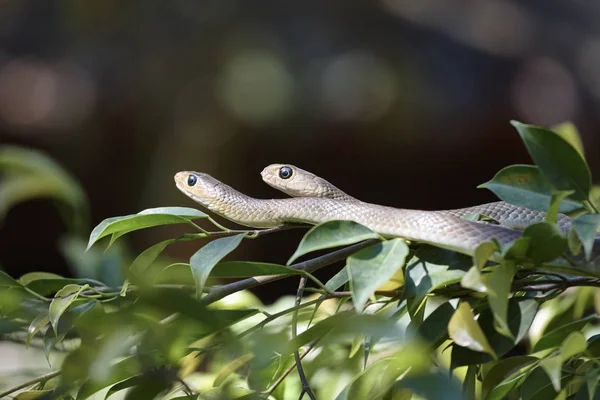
312	265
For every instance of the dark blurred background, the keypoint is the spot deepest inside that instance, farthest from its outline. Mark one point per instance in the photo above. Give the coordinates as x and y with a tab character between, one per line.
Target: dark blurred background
398	102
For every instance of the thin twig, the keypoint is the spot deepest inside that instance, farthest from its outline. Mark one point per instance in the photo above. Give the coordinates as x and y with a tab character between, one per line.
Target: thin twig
39	379
305	385
312	265
285	373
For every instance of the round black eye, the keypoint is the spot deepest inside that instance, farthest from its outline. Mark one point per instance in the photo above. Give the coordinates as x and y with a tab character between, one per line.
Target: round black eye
285	172
192	179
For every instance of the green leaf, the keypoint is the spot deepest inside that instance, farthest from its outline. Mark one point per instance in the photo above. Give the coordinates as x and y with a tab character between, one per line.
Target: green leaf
524	186
33	394
557	198
546	242
46	287
148	256
507	375
432	269
371	267
552	366
560	163
466	332
433	386
434	329
125	384
204	260
474	280
38	323
34	276
483	252
574	344
338	280
119	371
62	300
499	285
244	269
332	234
568	131
144	219
586	226
557	336
231	368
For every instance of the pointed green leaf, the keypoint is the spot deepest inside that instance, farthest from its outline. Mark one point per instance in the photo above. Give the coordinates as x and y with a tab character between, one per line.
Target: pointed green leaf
524	186
553	367
568	131
338	280
332	234
62	300
38	323
148	256
204	260
371	267
574	344
557	198
474	280
499	285
466	332
560	163
506	375
555	338
144	219
434	328
119	371
483	252
586	226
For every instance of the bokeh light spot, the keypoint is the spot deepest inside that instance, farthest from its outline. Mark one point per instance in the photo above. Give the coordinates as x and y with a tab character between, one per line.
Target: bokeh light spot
256	87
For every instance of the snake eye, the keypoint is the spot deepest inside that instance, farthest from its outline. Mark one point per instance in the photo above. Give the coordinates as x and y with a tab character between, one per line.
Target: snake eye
192	179
285	172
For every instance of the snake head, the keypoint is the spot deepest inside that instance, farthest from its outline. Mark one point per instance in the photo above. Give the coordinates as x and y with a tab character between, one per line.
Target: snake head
201	187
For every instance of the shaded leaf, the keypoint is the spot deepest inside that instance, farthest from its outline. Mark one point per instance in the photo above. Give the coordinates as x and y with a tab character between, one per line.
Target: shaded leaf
556	337
148	256
119	371
434	329
559	162
524	186
371	267
204	260
466	332
332	234
546	242
507	375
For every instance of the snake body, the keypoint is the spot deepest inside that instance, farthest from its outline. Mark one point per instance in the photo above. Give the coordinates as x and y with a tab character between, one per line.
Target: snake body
302	183
439	229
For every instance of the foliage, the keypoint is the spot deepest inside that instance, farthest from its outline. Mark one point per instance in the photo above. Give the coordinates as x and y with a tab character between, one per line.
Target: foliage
399	321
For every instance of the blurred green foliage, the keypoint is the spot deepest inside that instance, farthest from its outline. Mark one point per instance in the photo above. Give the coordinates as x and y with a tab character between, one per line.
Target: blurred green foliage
516	322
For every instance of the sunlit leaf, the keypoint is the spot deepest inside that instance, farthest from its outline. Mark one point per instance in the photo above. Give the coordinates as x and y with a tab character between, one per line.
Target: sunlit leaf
524	186
552	365
332	234
466	332
338	280
231	368
560	163
574	344
204	260
568	131
499	288
144	219
38	323
474	280
371	267
586	226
